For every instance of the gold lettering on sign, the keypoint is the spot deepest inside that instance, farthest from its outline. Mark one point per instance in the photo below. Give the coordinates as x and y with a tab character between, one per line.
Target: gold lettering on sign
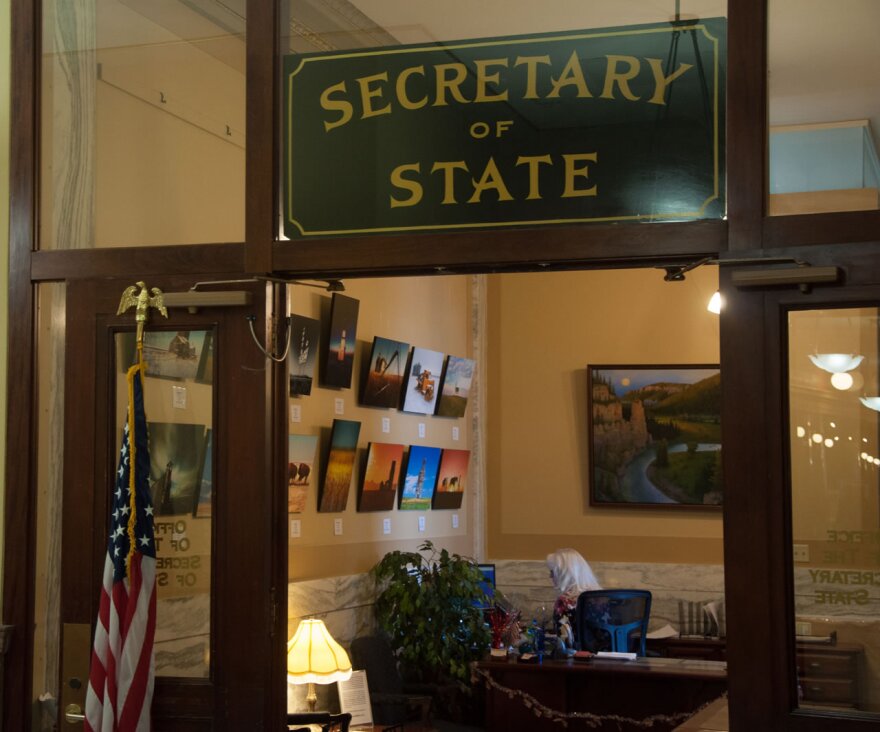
533	161
572	172
528	75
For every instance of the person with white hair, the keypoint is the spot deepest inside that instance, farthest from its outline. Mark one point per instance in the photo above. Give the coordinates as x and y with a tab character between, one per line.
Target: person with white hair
571	575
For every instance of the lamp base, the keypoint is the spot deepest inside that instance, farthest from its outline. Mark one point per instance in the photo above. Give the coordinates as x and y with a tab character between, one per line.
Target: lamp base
312	697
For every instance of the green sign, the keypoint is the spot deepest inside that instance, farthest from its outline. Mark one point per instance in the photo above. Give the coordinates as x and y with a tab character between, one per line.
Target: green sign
615	124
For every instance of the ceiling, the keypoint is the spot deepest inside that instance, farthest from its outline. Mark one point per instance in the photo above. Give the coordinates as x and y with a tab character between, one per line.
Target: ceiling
823	57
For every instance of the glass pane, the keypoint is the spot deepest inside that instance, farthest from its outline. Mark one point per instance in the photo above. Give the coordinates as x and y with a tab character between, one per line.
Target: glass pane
143	123
824	106
404	95
834	391
179	406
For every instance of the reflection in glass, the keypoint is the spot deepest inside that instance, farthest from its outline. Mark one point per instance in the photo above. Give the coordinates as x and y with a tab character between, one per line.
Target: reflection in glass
824	106
178	402
143	123
835	459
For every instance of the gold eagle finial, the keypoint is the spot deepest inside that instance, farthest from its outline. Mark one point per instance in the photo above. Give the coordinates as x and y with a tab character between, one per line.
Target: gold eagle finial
142	301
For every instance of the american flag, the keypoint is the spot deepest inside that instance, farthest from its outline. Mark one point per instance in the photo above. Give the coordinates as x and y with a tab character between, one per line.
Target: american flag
121	675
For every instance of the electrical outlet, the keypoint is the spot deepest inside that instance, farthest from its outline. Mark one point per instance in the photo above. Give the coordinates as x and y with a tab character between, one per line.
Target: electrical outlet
386	526
295	413
337	527
295	528
421	523
800	552
339	406
455	521
422	430
455	433
386	424
178	397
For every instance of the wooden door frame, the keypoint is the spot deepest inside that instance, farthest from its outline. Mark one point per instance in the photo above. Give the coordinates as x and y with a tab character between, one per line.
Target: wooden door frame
247	636
748	229
757	518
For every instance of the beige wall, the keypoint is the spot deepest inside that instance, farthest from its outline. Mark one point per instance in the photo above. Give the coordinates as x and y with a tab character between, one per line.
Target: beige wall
428	312
4	247
543	330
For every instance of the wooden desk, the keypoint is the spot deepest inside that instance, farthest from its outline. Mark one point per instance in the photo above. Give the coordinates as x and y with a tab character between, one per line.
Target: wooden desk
635	689
829	673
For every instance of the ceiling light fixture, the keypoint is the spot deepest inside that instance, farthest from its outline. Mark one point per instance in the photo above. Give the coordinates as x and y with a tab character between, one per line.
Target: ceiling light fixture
836	363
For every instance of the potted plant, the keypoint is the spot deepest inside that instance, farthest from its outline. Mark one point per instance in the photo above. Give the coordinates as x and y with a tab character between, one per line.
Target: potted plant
428	604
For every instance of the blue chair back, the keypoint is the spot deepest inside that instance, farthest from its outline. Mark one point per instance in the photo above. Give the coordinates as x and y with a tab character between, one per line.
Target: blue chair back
608	620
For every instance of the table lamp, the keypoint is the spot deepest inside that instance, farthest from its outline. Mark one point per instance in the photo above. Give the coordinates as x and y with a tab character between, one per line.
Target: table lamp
313	657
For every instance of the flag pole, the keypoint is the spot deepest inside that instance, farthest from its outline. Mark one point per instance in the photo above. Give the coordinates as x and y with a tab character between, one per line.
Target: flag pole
142	301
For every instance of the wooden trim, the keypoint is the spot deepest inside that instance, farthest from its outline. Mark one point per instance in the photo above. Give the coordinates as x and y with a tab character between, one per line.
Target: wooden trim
813	229
536	249
746	122
819	126
261	160
20	508
194	259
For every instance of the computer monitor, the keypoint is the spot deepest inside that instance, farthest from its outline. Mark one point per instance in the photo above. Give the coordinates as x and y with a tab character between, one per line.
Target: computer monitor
488	584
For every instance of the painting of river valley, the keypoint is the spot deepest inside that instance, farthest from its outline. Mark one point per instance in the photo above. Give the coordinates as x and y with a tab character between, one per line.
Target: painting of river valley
655	436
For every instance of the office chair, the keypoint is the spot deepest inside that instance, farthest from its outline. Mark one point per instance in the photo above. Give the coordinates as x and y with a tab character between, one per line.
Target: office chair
329	722
608	620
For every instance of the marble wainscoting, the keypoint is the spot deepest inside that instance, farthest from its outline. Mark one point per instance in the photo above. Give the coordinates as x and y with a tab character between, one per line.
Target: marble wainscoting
345	604
183	636
526	584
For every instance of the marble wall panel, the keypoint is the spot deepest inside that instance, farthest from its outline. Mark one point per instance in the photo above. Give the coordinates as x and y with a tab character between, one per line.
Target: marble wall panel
527	586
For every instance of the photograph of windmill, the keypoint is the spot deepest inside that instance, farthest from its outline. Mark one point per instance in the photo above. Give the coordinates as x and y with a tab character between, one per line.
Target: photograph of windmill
655	435
383	380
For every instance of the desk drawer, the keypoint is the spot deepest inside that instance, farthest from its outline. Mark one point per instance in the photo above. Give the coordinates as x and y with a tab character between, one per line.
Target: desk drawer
828	690
826	664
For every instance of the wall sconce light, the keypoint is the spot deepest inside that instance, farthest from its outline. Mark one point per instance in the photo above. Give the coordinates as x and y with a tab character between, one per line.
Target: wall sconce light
836	363
313	657
871	402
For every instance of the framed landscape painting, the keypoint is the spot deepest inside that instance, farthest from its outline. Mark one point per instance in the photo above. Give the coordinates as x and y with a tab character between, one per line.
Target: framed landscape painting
655	436
385	374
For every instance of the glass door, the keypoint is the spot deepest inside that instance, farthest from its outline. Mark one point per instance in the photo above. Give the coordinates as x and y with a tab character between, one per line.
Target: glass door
802	526
207	397
834	476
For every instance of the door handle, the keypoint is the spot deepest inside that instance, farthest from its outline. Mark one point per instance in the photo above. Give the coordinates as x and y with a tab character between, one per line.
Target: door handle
73	714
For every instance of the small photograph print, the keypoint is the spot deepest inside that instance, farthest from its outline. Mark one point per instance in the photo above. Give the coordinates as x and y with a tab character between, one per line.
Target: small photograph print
202	509
170	354
457	378
381	477
205	371
655	436
304	336
176	455
420	478
301	453
385	373
339	354
424	381
340	466
451	478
